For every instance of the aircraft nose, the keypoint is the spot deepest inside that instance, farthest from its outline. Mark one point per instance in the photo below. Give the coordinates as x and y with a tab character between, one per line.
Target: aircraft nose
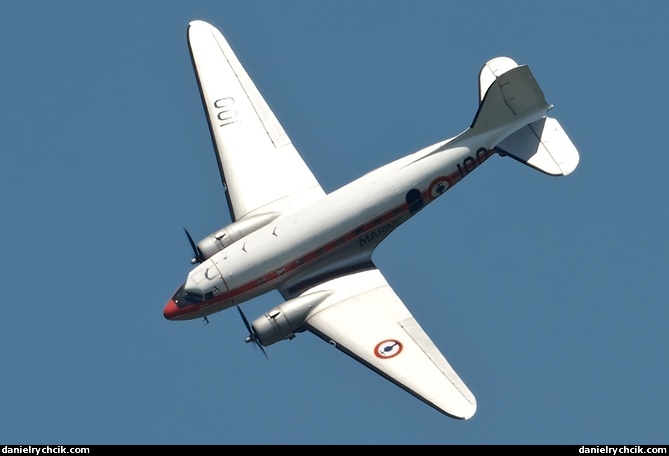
171	310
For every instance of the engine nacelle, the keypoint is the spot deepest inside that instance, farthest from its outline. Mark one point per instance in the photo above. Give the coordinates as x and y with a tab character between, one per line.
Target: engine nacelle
222	238
287	319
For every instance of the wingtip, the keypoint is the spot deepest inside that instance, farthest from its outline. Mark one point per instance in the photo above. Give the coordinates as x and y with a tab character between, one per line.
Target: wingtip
196	22
470	413
199	24
461	407
464	413
460	415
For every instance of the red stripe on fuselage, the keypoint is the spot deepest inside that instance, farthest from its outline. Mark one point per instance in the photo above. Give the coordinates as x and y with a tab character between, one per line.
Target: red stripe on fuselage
306	259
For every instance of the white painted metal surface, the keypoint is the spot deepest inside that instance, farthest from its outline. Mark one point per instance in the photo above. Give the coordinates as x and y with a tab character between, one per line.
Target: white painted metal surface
315	248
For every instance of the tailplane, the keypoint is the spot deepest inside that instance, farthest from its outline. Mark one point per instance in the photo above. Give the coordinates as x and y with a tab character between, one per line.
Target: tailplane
542	145
511	99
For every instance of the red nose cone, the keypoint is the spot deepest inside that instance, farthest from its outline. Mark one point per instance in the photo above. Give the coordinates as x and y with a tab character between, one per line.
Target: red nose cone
171	310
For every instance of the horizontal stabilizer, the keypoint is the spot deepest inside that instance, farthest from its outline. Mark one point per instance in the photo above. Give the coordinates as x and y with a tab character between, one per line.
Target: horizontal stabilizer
543	145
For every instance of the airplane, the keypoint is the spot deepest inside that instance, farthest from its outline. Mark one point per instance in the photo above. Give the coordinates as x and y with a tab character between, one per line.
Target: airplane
315	248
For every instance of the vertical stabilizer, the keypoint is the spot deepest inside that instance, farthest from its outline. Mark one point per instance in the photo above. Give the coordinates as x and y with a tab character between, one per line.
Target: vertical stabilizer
512	119
491	71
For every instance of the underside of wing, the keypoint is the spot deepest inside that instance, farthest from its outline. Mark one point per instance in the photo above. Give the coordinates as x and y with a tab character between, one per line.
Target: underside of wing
364	318
260	168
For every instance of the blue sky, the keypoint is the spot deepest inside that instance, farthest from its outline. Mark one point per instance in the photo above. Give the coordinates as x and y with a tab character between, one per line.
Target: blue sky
547	295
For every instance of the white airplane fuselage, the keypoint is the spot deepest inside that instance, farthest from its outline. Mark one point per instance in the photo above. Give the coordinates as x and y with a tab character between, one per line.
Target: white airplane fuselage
315	248
335	235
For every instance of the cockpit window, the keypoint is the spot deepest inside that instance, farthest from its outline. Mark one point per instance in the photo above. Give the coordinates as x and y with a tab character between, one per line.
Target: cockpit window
184	297
193	298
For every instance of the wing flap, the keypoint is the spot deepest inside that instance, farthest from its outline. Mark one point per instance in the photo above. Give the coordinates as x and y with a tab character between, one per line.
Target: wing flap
260	167
364	318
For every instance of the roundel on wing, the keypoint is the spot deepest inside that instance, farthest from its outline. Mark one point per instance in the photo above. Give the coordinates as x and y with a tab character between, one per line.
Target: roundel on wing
388	348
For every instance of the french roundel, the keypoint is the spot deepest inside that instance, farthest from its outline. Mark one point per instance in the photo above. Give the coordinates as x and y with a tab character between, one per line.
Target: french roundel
438	186
388	348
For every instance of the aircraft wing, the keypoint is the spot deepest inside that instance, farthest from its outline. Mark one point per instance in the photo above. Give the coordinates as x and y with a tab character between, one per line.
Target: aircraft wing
364	318
260	168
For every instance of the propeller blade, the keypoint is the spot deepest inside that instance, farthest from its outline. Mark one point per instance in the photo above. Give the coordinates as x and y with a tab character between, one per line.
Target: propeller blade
252	335
246	322
198	258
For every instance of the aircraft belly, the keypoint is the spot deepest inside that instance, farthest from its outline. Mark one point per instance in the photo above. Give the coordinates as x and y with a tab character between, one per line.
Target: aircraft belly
292	245
341	231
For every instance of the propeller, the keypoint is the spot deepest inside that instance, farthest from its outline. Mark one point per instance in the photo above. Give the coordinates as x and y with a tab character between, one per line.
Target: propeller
252	337
198	258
